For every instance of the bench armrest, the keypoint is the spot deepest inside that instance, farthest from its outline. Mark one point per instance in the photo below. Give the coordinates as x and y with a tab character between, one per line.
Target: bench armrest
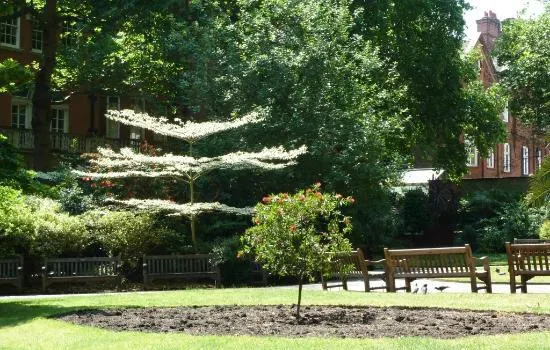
375	262
485	261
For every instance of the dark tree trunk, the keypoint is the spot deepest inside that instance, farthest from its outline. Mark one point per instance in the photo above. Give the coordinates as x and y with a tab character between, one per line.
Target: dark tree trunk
300	283
41	119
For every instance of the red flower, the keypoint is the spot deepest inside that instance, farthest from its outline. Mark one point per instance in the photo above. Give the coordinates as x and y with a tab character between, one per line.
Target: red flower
301	198
266	199
93	185
317	184
350	200
293	228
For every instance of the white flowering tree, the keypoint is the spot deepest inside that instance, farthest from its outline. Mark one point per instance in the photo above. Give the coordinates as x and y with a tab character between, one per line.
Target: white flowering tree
126	163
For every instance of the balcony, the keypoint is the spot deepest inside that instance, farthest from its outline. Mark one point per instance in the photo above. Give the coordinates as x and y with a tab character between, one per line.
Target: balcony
23	139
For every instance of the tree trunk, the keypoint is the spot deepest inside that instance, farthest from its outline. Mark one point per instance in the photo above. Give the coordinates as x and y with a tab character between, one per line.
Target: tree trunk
300	282
41	102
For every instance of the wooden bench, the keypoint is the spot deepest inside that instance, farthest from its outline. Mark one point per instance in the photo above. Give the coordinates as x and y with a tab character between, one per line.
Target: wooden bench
353	264
69	270
11	272
187	267
527	261
530	241
412	264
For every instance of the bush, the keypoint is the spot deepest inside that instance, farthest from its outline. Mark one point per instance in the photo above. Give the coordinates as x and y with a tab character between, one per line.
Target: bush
491	218
74	201
16	223
544	231
131	235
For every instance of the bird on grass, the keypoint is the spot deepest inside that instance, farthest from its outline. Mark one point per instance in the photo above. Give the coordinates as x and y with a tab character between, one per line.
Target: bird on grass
424	289
441	288
497	270
415	290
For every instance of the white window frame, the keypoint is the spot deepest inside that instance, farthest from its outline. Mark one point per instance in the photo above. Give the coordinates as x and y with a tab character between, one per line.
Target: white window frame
56	110
538	159
17	35
111	125
491	160
506	166
471	153
35	24
506	113
525	160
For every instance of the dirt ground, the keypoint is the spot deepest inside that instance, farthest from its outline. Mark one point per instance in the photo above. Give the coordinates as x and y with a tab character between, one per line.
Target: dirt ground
316	321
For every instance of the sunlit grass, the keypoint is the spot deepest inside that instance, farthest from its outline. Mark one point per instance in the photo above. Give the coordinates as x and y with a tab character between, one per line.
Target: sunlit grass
23	324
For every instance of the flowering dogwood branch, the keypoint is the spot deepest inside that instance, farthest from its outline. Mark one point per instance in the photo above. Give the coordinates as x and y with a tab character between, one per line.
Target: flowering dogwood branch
127	163
188	131
187	209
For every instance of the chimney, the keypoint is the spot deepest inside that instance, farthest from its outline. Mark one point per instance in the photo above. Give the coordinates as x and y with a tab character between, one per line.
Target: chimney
489	27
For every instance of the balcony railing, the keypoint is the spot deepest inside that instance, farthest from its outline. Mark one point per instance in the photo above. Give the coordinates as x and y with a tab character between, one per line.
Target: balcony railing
23	139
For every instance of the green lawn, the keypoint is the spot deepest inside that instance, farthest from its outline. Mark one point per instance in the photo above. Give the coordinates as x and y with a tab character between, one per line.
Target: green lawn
23	324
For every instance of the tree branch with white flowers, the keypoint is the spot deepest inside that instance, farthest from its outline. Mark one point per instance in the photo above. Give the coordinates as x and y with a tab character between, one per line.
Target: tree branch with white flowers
110	164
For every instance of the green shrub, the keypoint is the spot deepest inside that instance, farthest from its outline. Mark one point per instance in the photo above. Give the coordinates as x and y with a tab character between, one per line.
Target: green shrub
74	201
544	231
16	223
131	235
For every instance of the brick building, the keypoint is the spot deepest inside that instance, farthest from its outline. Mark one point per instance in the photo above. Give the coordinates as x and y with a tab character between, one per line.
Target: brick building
78	122
524	150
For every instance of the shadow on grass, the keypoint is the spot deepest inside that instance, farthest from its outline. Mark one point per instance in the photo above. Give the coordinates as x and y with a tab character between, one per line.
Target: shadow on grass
18	312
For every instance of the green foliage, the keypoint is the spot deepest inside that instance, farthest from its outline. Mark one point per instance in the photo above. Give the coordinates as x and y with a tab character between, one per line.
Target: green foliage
544	231
539	185
490	218
74	201
524	49
16	223
130	236
12	171
293	233
13	75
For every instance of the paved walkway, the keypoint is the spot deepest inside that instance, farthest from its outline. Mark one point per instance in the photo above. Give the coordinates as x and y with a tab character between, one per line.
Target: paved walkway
353	285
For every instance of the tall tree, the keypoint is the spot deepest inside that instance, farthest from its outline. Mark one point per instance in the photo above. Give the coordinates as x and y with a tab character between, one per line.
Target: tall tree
96	20
523	50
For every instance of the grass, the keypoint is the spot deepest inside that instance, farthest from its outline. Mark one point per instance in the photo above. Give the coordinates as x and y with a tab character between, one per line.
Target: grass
24	323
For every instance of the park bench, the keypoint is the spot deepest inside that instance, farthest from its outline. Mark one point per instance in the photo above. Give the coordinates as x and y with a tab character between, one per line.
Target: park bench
11	272
412	264
70	270
345	265
530	241
527	261
187	267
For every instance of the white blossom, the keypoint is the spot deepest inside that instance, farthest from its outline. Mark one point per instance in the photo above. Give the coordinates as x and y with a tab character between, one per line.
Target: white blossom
187	209
188	131
127	163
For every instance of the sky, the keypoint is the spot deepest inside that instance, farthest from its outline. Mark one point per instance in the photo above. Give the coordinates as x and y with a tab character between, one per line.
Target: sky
503	9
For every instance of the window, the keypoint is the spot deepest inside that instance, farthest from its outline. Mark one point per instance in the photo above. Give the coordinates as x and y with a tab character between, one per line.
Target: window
505	113
112	127
506	158
538	160
525	160
19	116
9	32
471	152
67	33
60	120
491	160
37	36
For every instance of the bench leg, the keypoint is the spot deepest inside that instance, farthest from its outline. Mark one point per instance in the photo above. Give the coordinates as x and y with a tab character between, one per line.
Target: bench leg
524	280
345	283
408	285
324	283
512	283
391	284
473	284
367	284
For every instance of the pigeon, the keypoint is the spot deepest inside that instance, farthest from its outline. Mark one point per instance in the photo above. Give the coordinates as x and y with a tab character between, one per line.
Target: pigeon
424	289
441	288
497	270
415	290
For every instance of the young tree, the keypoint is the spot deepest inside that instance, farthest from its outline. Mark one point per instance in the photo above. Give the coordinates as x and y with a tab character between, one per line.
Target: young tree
127	164
293	235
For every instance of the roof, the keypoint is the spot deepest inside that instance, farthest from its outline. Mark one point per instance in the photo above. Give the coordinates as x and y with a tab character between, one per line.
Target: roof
420	176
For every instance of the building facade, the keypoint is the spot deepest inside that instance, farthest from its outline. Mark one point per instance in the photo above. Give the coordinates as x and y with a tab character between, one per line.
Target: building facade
523	151
78	122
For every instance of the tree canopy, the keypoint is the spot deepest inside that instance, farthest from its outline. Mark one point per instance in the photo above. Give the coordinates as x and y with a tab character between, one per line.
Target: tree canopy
523	50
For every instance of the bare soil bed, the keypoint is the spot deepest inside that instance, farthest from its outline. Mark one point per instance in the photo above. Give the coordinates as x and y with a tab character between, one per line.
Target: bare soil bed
316	321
